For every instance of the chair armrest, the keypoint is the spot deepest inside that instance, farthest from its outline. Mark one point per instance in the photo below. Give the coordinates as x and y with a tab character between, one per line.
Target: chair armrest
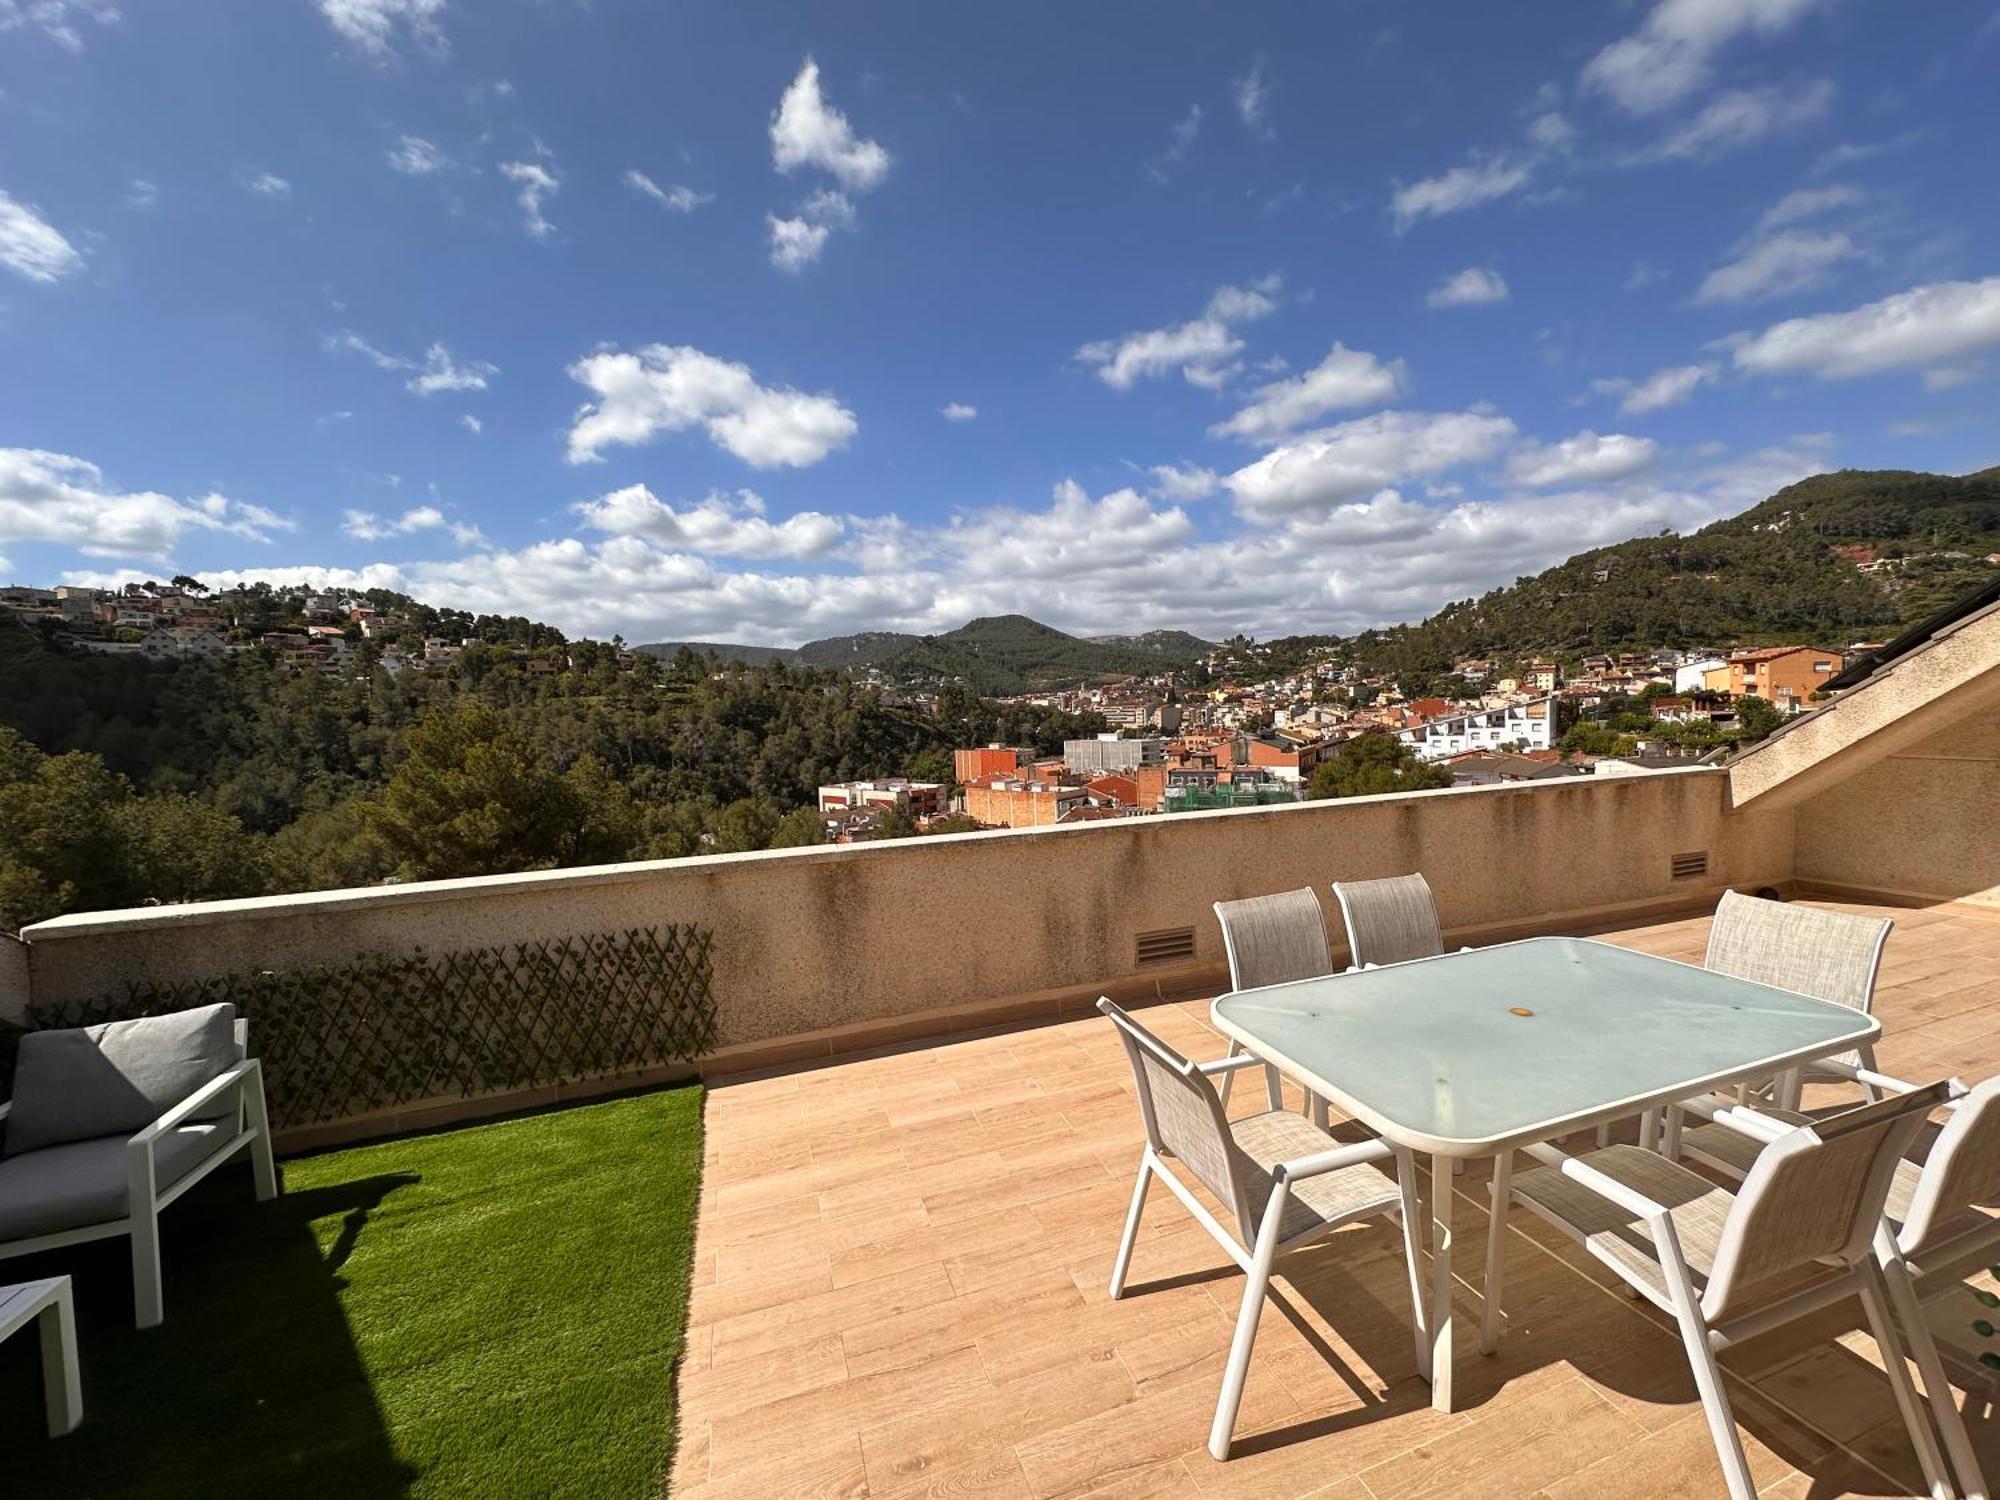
1229	1064
1761	1128
1603	1184
1322	1162
1883	1081
207	1094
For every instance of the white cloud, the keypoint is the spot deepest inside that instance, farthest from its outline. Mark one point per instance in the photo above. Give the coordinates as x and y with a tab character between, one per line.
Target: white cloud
1203	349
58	20
1777	264
1335	464
958	411
1185	482
471	423
1928	325
806	131
1947	377
538	184
680	199
373	26
30	246
1480	180
53	497
440	373
1661	389
1809	203
1253	98
667	388
1472	287
349	342
141	193
1346	378
796	242
720	526
414	156
1738	118
1586	458
266	184
1672	54
367	526
1162	167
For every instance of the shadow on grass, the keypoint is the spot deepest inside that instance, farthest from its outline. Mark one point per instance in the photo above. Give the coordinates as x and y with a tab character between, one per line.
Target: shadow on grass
253	1385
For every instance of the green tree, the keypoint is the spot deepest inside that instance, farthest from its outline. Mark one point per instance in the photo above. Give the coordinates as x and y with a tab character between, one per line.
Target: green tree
896	823
798	828
745	824
1755	719
1372	763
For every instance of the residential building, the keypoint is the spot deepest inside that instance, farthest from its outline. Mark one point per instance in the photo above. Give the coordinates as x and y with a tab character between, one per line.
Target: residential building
1541	676
1007	802
1692	677
1528	725
1795	672
1110	753
989	760
184	643
920	799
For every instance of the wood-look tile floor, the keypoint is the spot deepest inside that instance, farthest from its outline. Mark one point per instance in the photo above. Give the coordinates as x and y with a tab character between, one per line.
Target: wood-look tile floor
900	1292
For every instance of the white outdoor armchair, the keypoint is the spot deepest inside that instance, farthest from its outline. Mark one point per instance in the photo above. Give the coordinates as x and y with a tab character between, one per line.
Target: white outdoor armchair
1272	940
1282	1180
1809	1209
1389	921
109	1124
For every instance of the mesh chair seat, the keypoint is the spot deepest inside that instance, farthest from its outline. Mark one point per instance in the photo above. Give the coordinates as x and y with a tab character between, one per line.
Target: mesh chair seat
1315	1202
1697	1207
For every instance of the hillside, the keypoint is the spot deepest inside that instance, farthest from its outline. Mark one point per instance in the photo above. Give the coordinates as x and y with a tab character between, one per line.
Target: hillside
1769	574
995	654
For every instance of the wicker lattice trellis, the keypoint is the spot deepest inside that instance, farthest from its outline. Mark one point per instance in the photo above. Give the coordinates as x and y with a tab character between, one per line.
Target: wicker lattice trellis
392	1028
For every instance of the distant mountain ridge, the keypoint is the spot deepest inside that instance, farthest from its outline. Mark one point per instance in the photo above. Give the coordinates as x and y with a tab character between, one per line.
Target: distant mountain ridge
993	654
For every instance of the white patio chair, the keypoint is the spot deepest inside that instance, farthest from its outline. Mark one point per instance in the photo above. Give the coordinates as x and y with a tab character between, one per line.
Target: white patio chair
1933	1230
109	1124
1283	1180
1389	921
1273	940
1810	1208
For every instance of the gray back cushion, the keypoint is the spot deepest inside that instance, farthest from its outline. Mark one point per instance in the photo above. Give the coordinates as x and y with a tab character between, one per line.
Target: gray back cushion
117	1078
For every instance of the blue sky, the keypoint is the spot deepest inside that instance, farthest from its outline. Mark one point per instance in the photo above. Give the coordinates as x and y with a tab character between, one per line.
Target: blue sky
768	322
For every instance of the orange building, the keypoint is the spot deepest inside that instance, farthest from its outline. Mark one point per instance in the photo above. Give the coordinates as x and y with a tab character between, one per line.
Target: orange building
1793	673
989	760
1002	802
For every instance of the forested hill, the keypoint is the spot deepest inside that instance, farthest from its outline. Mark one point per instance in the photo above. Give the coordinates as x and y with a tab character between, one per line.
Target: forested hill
997	654
1830	560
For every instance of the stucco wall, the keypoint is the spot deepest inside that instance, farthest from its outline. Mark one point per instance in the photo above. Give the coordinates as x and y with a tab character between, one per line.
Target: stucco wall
1923	821
813	938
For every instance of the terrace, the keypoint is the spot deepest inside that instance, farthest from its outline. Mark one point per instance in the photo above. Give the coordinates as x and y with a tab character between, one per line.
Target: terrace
917	1141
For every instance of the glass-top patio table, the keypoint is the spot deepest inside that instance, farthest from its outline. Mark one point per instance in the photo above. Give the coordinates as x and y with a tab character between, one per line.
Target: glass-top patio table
1476	1053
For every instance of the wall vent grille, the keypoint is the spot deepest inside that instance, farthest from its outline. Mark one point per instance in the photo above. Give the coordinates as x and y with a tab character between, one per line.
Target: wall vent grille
1690	866
1166	946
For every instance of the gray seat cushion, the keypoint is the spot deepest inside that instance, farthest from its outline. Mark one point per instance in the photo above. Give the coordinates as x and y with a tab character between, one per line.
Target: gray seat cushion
81	1183
90	1081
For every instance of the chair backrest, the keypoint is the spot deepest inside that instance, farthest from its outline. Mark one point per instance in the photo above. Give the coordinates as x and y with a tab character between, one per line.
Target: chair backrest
1389	921
1184	1118
1814	1196
1830	955
1961	1174
1274	939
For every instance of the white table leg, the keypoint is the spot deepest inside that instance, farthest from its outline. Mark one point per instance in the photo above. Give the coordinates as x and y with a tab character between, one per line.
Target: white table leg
1440	1320
62	1386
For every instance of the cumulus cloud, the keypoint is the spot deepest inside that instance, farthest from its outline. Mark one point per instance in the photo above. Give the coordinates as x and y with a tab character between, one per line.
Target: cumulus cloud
1737	118
806	131
1472	287
1341	463
30	246
1253	92
140	193
958	411
367	526
1926	326
1586	458
471	423
266	184
537	185
668	388
1203	349
1346	378
1481	180
1777	264
414	156
1661	389
441	373
1184	481
1671	55
678	198
796	241
373	27
721	526
54	497
61	21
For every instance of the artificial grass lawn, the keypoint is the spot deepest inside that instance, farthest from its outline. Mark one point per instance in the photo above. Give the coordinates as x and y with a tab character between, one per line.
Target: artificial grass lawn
490	1311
